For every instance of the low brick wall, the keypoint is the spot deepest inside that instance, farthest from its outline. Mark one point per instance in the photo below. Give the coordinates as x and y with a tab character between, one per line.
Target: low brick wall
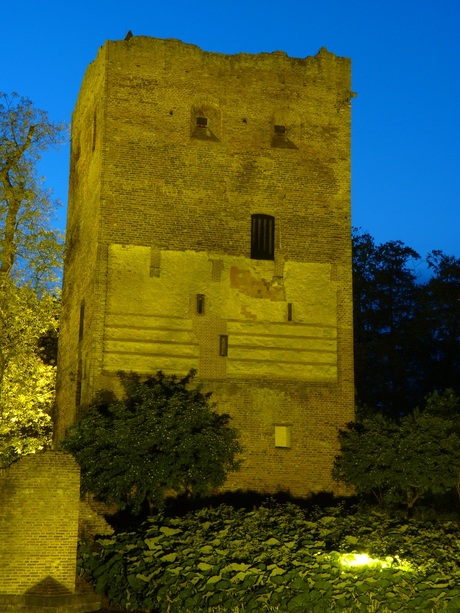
39	508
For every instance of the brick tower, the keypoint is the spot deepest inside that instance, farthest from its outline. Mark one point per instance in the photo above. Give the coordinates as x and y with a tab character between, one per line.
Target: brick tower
209	228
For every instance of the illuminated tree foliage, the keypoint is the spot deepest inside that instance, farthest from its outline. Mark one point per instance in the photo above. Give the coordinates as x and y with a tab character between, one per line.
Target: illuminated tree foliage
30	257
400	462
165	435
27	390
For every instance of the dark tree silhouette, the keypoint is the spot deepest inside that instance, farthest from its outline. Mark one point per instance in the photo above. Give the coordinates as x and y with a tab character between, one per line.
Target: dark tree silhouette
406	332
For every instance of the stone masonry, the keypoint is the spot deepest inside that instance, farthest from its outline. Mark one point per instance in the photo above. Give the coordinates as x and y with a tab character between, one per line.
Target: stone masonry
209	228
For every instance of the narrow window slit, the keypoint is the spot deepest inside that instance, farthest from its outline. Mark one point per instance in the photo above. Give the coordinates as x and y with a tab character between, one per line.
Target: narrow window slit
223	345
200	300
81	327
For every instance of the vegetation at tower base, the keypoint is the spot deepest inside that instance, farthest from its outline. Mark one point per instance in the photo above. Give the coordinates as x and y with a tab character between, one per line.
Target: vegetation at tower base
400	462
30	258
165	435
279	558
406	331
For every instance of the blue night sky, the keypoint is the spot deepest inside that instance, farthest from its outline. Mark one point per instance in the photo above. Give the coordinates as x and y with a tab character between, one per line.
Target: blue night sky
405	62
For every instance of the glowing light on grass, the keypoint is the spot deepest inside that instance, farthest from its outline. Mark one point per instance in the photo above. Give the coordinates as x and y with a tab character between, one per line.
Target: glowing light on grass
358	559
363	559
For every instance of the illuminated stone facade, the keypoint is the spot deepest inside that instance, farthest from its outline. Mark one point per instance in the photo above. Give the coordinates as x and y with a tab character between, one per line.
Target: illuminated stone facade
209	228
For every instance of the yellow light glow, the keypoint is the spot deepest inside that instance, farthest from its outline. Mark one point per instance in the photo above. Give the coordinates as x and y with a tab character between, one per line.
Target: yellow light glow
363	559
357	559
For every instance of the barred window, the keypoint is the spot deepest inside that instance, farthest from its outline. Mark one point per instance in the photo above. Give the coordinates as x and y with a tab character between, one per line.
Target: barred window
262	237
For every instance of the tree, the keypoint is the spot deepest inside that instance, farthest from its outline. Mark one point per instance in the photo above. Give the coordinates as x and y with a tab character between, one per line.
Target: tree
30	250
406	332
400	462
30	255
385	301
440	323
164	435
27	391
444	404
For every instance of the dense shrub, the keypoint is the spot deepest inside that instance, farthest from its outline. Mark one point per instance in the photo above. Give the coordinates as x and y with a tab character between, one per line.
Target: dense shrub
403	461
164	435
278	558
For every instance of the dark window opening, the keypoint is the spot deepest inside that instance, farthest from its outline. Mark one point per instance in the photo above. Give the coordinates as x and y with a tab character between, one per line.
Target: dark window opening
200	304
79	380
262	237
82	321
280	138
289	311
201	129
223	345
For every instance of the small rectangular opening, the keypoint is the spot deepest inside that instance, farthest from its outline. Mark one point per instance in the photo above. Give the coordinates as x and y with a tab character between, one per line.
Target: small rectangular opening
200	304
280	129
283	436
223	345
202	122
289	311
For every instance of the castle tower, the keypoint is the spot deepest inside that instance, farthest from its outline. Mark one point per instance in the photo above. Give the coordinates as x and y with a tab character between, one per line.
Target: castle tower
209	228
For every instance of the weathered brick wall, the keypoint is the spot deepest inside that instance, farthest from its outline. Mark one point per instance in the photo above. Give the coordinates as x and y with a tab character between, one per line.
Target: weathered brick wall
144	177
312	417
39	506
197	194
82	281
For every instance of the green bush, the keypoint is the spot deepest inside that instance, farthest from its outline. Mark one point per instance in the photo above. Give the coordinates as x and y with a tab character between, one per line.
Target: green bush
278	558
401	462
164	435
